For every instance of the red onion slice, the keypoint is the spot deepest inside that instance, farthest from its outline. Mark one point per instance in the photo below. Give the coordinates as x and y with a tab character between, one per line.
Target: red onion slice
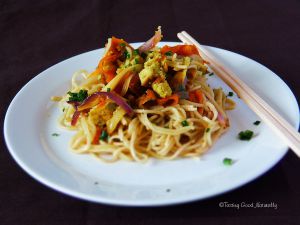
95	98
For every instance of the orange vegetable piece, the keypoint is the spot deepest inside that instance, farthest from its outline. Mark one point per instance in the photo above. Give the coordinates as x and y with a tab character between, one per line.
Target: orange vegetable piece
148	96
97	136
191	73
185	50
92	101
197	96
107	67
169	101
108	64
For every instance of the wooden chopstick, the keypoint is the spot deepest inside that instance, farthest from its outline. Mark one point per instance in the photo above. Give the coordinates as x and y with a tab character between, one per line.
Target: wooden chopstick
272	118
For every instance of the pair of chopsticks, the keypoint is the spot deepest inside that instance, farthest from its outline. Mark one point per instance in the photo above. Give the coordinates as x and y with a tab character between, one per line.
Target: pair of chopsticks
275	121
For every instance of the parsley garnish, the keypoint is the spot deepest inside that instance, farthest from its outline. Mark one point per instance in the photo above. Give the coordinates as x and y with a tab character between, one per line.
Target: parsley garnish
230	94
104	135
181	88
211	74
78	97
227	161
136	61
108	89
144	55
185	123
126	55
246	135
135	52
169	53
257	122
55	134
122	44
207	130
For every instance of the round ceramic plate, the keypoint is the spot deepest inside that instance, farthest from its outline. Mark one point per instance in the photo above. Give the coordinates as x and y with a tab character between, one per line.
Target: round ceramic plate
31	121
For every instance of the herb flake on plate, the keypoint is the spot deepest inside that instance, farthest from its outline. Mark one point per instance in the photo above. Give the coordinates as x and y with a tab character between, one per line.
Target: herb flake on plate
246	135
257	122
228	161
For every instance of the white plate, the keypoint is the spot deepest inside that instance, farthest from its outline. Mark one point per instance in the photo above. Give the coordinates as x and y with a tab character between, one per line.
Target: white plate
32	118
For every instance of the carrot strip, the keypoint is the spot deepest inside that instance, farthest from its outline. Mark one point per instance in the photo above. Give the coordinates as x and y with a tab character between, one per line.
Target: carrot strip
97	136
91	101
148	96
185	50
107	64
107	67
168	101
197	96
75	117
191	73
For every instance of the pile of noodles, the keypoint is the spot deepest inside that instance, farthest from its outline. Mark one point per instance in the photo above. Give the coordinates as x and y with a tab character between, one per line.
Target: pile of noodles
162	128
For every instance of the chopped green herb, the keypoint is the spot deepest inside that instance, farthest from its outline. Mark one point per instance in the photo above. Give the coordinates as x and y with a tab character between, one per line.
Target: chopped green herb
185	123
144	55
78	97
169	53
55	134
211	74
257	122
230	94
104	135
122	44
181	88
63	109
246	135
108	89
227	161
207	130
135	52
136	61
126	55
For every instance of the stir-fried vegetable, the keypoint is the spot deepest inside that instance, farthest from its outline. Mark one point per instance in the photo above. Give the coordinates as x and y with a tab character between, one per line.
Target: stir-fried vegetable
108	64
184	50
97	136
169	101
97	98
146	98
141	78
151	43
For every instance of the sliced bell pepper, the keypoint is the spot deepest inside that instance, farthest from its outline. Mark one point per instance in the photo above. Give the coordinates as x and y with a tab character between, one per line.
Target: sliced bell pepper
148	96
168	101
197	96
97	136
108	64
184	50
